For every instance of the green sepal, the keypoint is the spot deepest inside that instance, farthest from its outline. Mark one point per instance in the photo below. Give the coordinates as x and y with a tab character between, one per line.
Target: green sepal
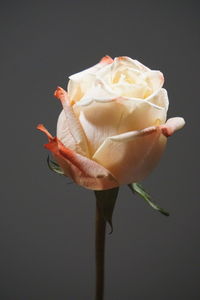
53	166
106	201
136	187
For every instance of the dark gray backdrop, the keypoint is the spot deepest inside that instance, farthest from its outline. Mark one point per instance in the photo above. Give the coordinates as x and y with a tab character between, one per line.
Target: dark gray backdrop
46	224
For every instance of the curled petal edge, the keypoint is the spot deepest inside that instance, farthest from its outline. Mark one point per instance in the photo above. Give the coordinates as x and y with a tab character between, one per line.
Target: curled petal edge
167	129
172	125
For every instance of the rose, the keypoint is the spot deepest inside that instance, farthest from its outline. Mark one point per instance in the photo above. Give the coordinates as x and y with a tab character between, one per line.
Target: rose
112	128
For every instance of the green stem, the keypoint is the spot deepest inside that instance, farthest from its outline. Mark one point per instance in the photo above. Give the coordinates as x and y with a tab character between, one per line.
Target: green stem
100	251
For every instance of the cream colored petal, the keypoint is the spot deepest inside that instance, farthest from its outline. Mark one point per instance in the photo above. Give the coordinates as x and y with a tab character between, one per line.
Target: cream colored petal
154	79
128	75
80	82
99	121
139	114
136	73
139	90
72	123
125	66
160	99
131	157
64	134
129	62
77	88
98	92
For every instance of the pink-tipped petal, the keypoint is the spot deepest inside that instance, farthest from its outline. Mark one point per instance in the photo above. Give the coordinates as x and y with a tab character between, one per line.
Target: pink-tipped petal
172	125
61	94
72	122
43	129
131	156
142	149
82	170
79	83
64	134
106	60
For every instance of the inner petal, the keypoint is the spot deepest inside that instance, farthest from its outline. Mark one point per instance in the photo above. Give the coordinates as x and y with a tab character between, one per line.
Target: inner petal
125	89
127	75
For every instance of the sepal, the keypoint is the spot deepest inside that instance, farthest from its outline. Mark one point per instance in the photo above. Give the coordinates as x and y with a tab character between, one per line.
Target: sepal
137	188
53	166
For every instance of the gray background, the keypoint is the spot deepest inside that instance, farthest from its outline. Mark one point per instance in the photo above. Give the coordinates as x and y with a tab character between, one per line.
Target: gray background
47	224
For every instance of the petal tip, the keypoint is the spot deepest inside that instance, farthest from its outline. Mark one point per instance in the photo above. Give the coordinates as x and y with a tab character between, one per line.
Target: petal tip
121	57
162	78
59	92
172	125
43	129
40	127
106	59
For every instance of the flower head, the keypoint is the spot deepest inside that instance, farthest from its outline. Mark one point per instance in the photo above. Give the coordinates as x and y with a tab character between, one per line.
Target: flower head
112	129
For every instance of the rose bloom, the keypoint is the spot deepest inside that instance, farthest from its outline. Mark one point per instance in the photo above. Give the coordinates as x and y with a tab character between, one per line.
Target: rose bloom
112	129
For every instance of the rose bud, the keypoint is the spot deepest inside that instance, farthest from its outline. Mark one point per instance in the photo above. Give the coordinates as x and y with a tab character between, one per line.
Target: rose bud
112	129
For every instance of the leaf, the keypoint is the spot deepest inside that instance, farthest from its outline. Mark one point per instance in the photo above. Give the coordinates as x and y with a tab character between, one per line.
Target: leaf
136	187
106	201
53	166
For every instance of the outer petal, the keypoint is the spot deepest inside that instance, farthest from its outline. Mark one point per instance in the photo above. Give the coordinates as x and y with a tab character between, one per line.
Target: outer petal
64	134
72	125
80	82
82	170
132	156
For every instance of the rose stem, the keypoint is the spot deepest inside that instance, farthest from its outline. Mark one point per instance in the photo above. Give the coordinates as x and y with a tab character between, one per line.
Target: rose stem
100	251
